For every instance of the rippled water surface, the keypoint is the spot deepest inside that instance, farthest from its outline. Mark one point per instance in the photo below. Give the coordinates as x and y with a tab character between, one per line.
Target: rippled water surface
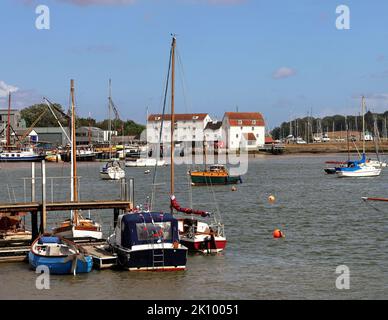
325	221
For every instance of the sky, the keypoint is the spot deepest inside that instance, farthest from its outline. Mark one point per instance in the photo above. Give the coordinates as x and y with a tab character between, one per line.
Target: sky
281	58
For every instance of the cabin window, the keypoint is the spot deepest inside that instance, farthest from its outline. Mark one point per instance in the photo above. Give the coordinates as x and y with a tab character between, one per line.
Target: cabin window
150	231
12	155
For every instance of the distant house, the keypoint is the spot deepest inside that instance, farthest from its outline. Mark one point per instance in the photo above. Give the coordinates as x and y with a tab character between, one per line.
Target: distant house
213	133
243	130
187	127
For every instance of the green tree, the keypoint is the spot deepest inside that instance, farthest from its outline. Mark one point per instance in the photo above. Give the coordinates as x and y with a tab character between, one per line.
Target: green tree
33	112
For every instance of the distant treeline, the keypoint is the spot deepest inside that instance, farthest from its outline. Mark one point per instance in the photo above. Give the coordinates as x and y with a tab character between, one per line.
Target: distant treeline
30	114
305	127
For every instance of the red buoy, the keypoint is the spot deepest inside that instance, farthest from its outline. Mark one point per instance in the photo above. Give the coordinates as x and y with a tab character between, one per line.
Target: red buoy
278	234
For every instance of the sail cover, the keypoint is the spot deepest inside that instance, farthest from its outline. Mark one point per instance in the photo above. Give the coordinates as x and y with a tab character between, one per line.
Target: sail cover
177	207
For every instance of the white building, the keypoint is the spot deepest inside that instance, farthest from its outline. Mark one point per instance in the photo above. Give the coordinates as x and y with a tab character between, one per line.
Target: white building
188	127
243	129
213	133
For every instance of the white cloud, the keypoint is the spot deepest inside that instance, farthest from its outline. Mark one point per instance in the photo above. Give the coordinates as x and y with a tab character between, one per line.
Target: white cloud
6	88
283	72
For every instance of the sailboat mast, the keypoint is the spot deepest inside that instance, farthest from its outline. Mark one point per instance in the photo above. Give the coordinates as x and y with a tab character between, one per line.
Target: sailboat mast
363	124
173	45
73	152
109	118
9	120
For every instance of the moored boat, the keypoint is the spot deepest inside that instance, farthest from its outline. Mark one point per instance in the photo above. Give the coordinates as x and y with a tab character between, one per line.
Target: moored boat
112	171
199	235
61	256
148	241
143	162
217	174
76	226
24	154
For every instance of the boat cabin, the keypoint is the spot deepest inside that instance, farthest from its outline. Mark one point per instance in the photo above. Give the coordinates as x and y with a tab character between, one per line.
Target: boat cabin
217	168
146	228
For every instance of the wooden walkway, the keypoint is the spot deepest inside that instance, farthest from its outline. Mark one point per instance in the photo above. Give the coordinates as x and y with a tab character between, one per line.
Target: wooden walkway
65	206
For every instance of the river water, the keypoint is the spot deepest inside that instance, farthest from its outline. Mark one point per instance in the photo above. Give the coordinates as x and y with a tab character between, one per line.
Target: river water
323	217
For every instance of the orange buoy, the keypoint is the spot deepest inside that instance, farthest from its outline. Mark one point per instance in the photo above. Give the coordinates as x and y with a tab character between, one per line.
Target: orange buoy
278	234
271	198
234	188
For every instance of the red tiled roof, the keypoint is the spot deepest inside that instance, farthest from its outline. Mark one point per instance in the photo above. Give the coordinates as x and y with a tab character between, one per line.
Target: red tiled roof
249	136
269	140
178	117
245	119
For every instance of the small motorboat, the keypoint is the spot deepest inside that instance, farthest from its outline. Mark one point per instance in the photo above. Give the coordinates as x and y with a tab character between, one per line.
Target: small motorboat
148	241
112	171
61	256
53	157
147	171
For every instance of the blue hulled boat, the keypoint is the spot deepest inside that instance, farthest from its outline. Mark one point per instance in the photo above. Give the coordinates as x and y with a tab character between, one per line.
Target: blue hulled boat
61	256
148	241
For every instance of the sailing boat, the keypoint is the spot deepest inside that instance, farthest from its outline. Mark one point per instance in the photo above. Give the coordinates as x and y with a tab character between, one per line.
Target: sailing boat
360	168
216	174
195	234
149	241
112	169
76	226
15	154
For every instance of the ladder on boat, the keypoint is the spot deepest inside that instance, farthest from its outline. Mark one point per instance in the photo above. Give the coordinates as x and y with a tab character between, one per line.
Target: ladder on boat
157	256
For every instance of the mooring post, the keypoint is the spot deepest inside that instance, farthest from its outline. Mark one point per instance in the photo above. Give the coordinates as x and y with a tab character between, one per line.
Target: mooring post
131	191
116	213
32	181
43	216
34	226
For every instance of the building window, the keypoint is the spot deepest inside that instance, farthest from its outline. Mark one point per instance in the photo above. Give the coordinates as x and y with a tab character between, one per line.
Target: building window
257	135
236	135
241	128
253	128
193	136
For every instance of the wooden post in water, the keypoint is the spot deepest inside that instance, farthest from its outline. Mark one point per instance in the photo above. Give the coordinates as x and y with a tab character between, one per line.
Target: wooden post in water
43	216
34	216
34	226
32	181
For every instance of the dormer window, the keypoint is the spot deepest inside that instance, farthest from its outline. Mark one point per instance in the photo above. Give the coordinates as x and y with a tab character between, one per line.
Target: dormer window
240	122
157	118
195	117
253	122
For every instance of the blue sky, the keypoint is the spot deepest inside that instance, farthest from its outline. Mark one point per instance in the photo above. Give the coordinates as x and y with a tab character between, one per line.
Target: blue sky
279	57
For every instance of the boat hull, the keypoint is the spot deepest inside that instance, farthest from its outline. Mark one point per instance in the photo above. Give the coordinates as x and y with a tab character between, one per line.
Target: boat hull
112	175
77	232
22	159
143	259
204	244
58	265
145	163
370	172
214	180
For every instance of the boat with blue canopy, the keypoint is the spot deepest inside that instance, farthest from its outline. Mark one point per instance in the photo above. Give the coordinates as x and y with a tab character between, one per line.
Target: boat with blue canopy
148	241
60	255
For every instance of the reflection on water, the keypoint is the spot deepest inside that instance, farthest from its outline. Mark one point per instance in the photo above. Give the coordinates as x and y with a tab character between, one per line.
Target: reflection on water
325	222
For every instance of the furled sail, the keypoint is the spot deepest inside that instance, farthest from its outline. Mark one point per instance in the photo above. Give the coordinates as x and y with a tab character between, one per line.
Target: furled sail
177	207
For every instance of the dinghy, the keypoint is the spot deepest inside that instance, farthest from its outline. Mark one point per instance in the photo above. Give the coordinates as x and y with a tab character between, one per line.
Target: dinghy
61	256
